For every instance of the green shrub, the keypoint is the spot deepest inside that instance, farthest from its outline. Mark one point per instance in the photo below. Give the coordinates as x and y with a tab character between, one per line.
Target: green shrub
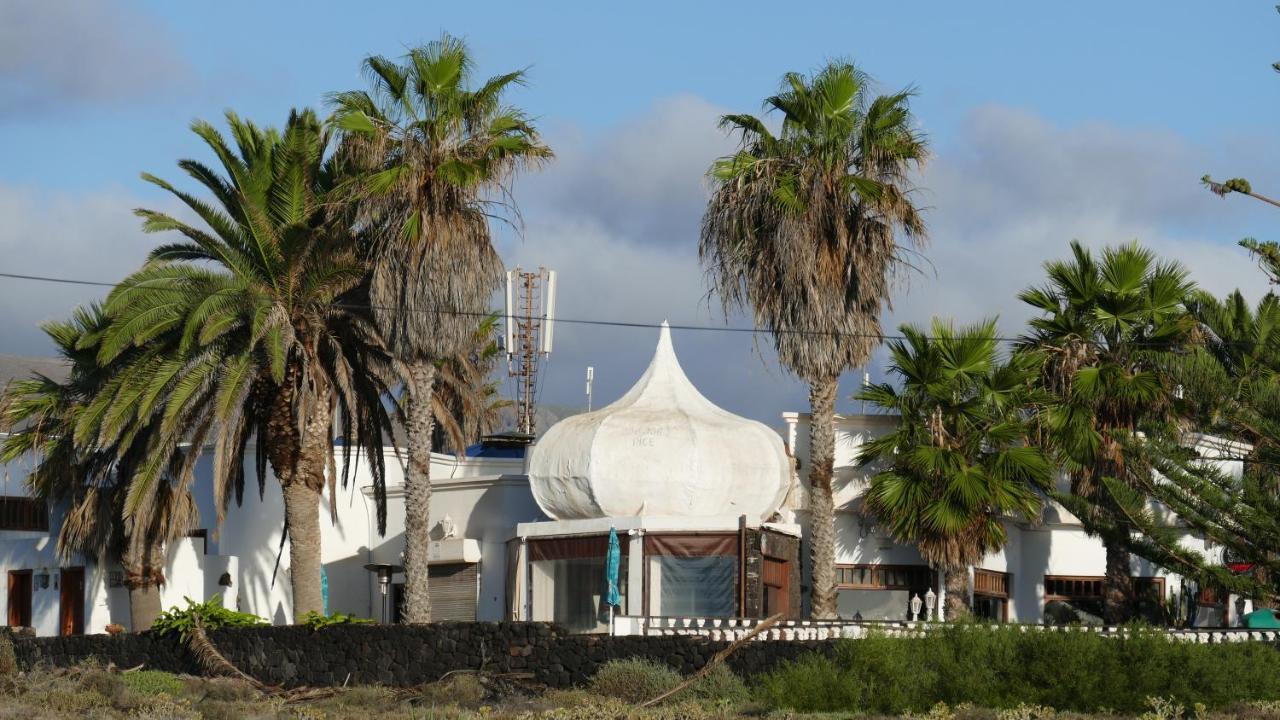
1009	667
634	680
210	613
153	682
719	685
317	621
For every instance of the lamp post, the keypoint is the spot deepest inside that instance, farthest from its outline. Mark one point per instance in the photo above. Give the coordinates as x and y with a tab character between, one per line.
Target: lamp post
915	608
384	572
930	600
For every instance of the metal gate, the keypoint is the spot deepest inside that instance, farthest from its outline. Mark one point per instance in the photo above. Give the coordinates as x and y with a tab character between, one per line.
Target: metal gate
453	589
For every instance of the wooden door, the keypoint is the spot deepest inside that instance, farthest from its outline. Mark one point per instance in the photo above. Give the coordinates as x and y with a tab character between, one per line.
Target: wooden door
19	598
71	602
777	587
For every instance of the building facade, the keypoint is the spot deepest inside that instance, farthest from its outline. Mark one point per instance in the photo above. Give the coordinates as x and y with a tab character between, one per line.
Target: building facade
710	510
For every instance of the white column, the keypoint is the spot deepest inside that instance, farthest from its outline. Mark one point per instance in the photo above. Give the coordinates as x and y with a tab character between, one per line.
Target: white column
635	572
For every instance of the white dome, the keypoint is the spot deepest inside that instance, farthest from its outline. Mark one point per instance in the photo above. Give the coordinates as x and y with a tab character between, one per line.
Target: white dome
662	449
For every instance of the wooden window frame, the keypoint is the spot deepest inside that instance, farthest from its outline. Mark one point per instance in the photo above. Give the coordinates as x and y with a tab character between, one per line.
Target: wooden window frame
24	514
1095	581
876	576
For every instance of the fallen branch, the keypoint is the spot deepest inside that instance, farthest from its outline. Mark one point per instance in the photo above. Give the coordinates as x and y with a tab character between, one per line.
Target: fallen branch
213	661
715	660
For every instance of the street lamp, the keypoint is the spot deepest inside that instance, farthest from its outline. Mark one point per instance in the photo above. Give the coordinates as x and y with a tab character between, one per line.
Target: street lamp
930	601
915	608
384	572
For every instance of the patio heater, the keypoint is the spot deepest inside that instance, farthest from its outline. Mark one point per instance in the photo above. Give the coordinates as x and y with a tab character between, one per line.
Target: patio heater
384	573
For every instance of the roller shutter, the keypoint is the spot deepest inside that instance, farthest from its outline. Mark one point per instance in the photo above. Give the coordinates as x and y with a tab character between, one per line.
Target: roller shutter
453	589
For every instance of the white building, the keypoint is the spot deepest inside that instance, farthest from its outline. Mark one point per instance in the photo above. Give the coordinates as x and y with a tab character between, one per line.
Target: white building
1051	563
709	508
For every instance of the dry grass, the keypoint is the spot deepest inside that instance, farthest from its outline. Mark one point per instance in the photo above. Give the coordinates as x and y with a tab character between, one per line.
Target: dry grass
92	691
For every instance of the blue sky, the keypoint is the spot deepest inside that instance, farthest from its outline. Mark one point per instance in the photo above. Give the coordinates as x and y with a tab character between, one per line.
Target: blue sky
1049	121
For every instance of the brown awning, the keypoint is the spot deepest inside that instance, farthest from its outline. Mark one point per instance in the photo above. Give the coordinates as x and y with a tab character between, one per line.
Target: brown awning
691	545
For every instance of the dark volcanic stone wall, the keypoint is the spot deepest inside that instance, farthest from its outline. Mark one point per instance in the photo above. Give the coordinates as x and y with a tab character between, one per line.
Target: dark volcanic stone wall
404	655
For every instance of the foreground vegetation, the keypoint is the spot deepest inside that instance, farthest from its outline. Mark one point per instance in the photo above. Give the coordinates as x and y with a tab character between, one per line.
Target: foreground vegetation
94	691
1006	668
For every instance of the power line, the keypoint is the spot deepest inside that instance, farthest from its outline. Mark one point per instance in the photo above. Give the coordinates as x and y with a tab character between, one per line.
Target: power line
572	321
569	321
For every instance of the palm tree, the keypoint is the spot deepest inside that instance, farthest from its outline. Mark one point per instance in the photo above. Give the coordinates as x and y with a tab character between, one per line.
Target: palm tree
439	156
1108	333
466	400
260	321
802	228
45	416
958	465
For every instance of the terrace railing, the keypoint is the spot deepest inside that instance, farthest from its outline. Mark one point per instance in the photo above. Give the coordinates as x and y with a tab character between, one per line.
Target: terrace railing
731	629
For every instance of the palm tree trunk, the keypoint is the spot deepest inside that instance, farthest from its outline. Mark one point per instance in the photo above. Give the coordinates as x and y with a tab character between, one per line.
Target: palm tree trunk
1117	590
822	447
144	574
298	462
417	492
144	606
302	514
957	601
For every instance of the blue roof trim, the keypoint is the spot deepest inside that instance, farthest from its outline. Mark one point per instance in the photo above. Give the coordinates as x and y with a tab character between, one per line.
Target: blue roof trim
490	451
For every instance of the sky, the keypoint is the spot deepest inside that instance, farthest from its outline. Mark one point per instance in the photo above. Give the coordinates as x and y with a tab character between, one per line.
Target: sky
1048	122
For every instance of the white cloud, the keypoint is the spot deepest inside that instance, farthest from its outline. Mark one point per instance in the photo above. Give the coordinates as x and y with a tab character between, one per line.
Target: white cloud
64	53
1014	190
618	216
84	236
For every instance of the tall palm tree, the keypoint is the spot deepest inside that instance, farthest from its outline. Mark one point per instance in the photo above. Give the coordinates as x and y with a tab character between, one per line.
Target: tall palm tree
1108	331
44	416
958	465
259	320
802	227
466	401
439	157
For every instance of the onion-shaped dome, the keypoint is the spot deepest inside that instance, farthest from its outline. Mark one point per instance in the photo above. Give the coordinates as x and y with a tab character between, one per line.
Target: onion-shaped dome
662	449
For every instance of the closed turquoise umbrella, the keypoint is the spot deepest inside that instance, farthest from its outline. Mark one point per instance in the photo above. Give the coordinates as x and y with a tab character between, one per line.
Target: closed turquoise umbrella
1262	619
612	563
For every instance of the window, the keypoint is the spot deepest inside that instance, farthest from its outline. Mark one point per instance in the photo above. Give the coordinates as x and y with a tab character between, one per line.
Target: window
23	513
1072	599
693	586
692	575
568	582
991	595
881	592
884	577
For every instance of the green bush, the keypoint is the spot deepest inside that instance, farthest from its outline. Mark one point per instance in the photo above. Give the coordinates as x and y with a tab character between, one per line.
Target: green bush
154	682
1009	667
210	613
634	680
719	685
317	621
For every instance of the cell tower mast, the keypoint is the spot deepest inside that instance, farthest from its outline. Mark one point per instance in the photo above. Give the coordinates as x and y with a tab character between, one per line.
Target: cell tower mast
530	323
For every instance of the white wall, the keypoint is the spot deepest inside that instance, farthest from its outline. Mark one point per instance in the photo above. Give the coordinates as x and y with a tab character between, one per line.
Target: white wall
1057	545
484	498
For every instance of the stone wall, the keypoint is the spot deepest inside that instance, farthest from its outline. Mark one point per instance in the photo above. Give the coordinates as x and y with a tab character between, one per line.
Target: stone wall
404	656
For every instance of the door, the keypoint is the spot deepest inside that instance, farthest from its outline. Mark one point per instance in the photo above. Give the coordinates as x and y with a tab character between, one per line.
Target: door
19	598
777	587
71	602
